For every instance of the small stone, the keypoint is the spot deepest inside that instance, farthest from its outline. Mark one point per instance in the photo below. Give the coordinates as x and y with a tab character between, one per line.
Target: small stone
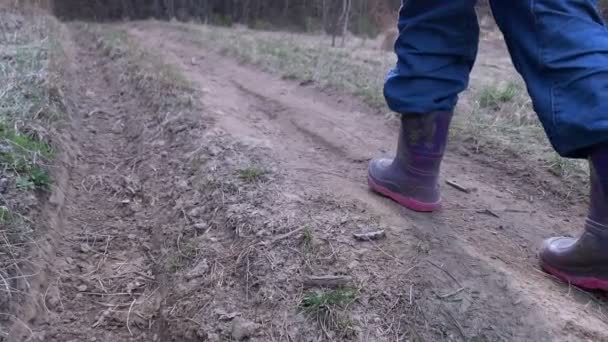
199	270
53	302
213	150
242	329
69	260
85	248
79	296
195	212
82	288
201	226
132	236
183	184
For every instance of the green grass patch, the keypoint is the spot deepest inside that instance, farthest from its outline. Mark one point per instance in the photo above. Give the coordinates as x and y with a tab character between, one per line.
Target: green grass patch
329	309
494	96
5	214
24	155
186	252
252	174
320	301
307	238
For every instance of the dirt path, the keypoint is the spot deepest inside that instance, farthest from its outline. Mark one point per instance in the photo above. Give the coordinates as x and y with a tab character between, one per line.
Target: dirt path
324	144
200	222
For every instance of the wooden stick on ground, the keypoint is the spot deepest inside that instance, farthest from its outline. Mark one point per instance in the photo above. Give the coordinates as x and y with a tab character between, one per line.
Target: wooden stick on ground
458	186
371	236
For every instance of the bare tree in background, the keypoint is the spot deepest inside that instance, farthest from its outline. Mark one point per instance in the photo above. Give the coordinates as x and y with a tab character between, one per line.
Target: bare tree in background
340	22
333	17
170	6
345	18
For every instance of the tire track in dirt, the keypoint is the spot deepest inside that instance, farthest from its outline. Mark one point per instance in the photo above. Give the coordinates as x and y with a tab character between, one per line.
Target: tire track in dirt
323	146
106	277
100	271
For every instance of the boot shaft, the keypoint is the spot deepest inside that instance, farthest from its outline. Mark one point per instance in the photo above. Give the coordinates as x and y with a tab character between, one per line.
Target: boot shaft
422	141
598	213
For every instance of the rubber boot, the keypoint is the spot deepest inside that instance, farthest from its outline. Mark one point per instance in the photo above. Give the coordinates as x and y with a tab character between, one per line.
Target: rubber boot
583	262
411	178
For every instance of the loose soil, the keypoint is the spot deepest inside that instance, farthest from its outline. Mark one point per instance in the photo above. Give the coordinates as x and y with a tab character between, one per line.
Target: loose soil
201	223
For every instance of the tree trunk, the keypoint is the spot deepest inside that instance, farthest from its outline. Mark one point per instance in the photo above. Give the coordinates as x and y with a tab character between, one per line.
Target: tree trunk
324	15
345	19
285	8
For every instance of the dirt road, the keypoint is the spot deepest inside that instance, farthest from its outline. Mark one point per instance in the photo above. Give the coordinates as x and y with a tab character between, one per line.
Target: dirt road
164	239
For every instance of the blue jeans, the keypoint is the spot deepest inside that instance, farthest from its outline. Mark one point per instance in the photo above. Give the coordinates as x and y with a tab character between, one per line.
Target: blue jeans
560	47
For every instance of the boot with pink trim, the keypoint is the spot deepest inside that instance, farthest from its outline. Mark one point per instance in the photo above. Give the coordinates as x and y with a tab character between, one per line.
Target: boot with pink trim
412	177
583	262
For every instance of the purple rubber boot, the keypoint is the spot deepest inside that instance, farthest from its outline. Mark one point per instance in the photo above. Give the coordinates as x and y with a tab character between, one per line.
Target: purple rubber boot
583	262
411	178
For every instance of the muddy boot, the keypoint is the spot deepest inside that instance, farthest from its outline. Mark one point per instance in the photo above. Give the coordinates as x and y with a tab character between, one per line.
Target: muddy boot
583	262
411	178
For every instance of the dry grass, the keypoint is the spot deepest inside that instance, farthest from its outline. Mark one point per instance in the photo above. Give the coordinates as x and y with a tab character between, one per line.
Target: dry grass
160	83
358	68
30	102
502	114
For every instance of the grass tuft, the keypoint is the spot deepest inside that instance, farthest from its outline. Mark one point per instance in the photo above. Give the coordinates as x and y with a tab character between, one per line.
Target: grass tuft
307	238
494	96
328	307
5	214
25	155
315	302
252	174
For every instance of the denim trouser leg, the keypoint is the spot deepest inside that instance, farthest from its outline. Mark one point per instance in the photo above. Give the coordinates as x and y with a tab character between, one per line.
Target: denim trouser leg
436	49
560	47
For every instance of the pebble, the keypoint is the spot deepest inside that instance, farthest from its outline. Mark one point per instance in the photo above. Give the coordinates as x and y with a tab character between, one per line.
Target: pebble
199	270
195	212
201	226
183	184
242	329
84	248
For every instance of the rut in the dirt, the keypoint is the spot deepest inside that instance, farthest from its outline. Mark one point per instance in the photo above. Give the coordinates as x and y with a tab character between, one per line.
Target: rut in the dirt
107	276
101	266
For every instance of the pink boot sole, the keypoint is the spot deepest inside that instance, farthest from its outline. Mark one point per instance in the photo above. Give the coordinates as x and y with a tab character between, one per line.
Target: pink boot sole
407	202
586	283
